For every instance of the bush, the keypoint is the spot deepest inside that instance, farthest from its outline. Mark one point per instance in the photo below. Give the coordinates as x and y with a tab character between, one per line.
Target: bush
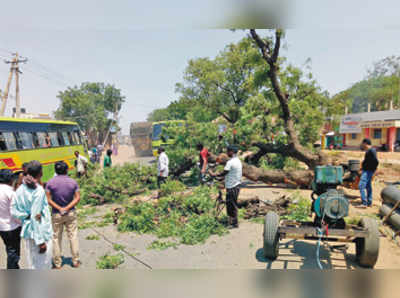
110	262
116	183
189	219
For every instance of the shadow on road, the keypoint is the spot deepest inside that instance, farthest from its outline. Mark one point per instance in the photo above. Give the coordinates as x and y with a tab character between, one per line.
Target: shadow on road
295	254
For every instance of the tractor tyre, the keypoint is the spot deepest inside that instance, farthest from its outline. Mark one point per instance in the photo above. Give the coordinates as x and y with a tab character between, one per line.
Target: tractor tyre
271	236
367	249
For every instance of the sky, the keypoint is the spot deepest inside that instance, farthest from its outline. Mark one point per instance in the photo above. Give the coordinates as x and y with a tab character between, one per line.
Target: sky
144	50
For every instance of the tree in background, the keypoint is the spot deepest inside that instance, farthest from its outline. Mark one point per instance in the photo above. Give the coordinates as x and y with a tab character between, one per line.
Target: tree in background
94	106
380	87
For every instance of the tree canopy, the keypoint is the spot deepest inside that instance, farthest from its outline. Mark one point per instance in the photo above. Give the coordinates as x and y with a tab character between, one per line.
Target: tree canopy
380	87
93	106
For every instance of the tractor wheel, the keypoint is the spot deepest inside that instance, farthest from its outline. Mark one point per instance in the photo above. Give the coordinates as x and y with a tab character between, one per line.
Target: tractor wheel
271	236
367	249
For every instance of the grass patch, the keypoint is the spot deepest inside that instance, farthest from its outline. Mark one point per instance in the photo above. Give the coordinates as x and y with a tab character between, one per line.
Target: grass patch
299	209
118	247
110	261
162	245
92	237
258	220
86	225
84	212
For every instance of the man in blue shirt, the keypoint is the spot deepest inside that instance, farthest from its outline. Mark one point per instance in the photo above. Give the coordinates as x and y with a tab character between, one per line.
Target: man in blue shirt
63	195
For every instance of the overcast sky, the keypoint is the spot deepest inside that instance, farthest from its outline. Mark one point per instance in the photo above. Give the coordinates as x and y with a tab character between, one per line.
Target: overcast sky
132	46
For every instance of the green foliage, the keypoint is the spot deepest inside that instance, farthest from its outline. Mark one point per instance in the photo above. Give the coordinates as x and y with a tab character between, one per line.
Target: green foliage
236	86
110	261
117	183
189	219
162	245
92	237
91	105
300	209
170	187
118	247
86	225
84	212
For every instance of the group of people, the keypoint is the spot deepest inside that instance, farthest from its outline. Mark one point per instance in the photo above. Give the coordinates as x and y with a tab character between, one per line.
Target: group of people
25	216
232	174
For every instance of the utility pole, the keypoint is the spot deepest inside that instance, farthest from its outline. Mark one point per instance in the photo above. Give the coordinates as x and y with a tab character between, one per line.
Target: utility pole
14	69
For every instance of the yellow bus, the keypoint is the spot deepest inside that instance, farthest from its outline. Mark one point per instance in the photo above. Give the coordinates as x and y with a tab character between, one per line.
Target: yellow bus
158	138
48	141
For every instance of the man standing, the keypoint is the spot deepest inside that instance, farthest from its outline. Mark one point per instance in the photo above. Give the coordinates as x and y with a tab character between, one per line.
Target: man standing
107	163
32	209
162	166
81	164
203	156
10	228
369	166
63	195
233	176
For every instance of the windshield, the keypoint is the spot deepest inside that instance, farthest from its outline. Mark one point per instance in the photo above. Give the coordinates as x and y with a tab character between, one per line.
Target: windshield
157	130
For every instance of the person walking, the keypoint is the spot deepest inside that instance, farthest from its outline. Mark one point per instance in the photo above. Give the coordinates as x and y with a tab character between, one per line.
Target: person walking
233	175
162	166
10	228
63	195
81	164
369	166
107	163
203	157
32	209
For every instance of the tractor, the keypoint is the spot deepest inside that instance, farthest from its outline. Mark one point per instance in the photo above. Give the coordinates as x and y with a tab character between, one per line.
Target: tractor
329	209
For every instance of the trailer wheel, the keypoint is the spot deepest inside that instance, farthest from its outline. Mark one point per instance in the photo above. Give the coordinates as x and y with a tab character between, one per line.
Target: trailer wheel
271	236
367	249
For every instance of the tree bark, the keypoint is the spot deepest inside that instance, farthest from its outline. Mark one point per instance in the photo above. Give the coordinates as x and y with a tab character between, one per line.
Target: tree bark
293	148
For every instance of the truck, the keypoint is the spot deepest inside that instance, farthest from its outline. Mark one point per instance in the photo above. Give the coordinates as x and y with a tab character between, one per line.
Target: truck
140	133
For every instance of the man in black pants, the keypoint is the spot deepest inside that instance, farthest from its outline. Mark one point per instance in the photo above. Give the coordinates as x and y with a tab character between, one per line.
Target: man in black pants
10	228
233	176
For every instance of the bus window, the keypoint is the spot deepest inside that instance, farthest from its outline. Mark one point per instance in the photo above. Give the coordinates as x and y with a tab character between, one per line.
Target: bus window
3	146
24	140
71	140
41	140
65	138
60	138
76	137
53	139
11	143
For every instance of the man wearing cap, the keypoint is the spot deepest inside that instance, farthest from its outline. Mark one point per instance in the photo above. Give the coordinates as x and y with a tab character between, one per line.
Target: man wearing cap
63	195
233	175
10	228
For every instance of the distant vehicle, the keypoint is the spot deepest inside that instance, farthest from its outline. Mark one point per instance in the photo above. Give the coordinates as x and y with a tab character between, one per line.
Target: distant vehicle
48	141
159	138
141	138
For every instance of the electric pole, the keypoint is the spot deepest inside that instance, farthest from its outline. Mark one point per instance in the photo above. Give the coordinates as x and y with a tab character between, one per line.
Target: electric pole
14	69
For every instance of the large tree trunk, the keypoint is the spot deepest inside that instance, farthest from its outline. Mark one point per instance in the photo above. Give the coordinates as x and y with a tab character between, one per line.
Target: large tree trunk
293	148
298	178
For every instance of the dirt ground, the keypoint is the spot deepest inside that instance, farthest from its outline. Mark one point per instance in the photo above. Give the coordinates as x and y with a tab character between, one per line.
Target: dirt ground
241	248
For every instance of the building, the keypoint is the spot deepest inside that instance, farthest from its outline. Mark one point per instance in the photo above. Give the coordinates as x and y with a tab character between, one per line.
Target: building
383	128
25	115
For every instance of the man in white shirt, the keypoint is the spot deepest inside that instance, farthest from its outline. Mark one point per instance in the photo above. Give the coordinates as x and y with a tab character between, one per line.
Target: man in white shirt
10	228
162	166
233	177
81	164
